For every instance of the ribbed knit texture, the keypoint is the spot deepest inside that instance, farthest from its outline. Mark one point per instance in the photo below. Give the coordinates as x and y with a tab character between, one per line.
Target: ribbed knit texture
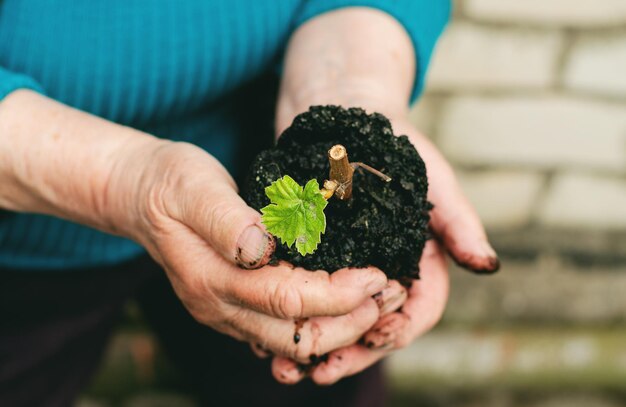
166	67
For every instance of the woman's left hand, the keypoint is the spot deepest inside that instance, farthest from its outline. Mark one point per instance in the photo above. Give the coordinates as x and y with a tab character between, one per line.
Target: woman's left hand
457	229
363	57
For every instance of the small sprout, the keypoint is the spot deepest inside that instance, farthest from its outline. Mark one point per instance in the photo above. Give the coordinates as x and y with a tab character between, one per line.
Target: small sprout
295	214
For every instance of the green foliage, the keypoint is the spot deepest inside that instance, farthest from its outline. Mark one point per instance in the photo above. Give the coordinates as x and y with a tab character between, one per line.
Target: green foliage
295	214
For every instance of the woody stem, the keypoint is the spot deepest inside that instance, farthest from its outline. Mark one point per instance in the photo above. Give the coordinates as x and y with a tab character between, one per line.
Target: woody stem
341	171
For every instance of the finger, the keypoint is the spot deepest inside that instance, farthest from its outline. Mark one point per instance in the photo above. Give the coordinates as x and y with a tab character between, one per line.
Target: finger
427	296
421	311
308	340
385	333
211	207
453	218
391	298
345	362
287	371
423	308
292	293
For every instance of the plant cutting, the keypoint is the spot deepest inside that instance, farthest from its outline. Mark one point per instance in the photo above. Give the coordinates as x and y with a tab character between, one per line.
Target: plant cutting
296	214
371	208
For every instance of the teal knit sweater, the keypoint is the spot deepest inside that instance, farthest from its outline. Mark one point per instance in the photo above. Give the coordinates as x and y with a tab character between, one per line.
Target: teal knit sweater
167	67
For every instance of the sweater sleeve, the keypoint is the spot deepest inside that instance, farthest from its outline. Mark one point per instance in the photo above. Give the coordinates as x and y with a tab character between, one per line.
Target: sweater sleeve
424	20
10	81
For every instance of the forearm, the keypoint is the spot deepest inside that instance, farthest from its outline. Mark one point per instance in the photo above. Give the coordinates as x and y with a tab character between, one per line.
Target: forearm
353	57
60	161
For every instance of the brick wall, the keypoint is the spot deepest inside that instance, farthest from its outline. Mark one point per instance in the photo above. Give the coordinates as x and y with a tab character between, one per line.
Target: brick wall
527	99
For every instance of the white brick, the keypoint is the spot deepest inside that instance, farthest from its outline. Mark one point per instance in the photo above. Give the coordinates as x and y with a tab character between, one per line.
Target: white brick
598	65
470	56
503	199
541	291
475	358
575	13
545	132
579	200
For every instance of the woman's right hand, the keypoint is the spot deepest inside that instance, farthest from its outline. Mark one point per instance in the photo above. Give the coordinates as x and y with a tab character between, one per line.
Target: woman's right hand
184	208
181	204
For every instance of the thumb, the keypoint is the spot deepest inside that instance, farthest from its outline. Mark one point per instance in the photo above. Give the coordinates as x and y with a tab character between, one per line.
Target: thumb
214	210
255	247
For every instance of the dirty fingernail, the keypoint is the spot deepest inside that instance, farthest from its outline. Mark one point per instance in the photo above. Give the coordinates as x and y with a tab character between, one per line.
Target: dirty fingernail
491	263
379	342
254	247
488	250
393	303
291	375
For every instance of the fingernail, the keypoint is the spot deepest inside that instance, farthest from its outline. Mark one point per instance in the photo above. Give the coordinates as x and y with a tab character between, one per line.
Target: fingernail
488	250
377	342
492	266
377	284
391	304
491	263
291	376
384	334
254	247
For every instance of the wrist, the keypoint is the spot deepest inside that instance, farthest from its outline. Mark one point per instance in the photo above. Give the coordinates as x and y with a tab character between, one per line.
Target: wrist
60	161
150	185
128	197
365	93
351	57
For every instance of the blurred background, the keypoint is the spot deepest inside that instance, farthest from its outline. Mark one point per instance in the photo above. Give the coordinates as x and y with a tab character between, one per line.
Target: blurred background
528	101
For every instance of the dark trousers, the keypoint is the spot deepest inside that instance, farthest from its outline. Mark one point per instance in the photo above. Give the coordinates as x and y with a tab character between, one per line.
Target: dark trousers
54	327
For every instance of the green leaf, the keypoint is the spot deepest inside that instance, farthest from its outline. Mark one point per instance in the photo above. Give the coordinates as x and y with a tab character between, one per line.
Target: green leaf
295	214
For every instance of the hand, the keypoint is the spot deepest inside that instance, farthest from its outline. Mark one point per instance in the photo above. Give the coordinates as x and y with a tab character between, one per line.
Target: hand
181	204
363	57
456	226
192	221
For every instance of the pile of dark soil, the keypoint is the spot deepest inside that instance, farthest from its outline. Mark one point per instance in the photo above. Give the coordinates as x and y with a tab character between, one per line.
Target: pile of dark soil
384	224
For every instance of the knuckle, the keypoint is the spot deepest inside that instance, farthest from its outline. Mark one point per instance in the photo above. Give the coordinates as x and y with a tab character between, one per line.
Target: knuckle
219	215
286	301
155	212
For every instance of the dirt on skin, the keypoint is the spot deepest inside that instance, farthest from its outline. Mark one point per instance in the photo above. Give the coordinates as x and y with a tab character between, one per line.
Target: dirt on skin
384	224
